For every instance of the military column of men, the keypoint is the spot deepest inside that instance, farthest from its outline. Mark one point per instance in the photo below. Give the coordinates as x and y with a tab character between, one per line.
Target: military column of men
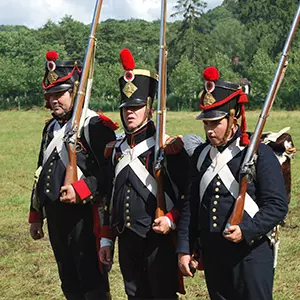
117	177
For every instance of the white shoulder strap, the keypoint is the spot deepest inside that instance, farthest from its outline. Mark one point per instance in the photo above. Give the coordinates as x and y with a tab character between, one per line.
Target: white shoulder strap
233	187
219	160
57	140
130	155
90	114
219	167
147	179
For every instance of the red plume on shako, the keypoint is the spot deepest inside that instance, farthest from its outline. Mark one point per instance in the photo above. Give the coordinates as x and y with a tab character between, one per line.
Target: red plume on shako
128	63
51	57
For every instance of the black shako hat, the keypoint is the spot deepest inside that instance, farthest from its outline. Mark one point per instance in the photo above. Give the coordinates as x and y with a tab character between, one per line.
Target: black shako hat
220	98
137	86
60	75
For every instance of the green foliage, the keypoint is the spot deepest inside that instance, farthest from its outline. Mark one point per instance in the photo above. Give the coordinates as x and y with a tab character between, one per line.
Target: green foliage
223	63
106	76
289	92
188	40
243	38
184	82
263	70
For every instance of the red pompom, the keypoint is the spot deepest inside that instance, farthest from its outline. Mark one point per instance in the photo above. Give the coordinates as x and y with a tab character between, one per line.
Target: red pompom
211	74
127	59
52	56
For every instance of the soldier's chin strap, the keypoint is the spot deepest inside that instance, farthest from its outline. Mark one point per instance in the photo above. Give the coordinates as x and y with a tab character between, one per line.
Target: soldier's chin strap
146	119
63	118
228	134
142	124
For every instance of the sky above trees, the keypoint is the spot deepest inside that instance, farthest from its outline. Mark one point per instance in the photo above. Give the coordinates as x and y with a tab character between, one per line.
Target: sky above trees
35	13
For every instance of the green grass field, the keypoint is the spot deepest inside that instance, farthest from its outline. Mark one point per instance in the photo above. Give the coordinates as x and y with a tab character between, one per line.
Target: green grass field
27	267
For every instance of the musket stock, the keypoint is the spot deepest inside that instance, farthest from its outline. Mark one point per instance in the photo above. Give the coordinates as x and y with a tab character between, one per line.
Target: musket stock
249	160
72	136
161	114
238	210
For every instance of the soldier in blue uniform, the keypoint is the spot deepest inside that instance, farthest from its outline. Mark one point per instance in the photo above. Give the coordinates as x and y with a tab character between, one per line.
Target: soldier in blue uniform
238	260
147	256
72	210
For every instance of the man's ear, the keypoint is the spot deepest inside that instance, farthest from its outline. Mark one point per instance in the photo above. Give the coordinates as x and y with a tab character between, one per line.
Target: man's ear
150	112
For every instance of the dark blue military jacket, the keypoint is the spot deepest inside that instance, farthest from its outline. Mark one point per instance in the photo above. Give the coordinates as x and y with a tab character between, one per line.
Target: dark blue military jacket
90	160
267	190
133	205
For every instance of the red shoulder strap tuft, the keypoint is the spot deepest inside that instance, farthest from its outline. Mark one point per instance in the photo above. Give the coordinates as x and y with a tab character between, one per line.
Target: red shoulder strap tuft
108	122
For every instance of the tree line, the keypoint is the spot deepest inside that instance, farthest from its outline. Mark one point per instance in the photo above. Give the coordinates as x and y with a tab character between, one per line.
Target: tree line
242	38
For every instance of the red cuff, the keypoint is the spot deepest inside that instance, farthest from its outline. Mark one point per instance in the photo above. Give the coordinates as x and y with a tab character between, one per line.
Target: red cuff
34	217
81	189
173	215
106	232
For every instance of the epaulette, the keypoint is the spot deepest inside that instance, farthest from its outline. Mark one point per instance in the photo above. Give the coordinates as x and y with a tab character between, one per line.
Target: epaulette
109	149
173	145
107	121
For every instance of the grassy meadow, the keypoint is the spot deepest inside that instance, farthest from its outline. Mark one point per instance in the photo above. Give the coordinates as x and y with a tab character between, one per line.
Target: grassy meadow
27	267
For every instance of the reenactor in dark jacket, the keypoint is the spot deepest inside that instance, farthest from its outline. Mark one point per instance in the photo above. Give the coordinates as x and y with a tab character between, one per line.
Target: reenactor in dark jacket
238	260
147	256
72	210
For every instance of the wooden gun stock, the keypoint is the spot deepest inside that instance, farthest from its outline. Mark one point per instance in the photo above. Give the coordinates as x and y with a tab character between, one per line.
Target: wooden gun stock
71	168
160	196
238	210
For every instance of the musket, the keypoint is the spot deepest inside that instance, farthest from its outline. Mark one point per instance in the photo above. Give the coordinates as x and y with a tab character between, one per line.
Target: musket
80	105
249	160
161	114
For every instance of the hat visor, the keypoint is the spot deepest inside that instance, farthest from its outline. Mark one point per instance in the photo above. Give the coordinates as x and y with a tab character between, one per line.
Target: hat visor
211	115
133	102
59	88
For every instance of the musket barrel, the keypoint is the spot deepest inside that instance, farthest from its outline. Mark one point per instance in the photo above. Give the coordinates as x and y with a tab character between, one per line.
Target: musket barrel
272	92
161	115
161	98
71	168
87	57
